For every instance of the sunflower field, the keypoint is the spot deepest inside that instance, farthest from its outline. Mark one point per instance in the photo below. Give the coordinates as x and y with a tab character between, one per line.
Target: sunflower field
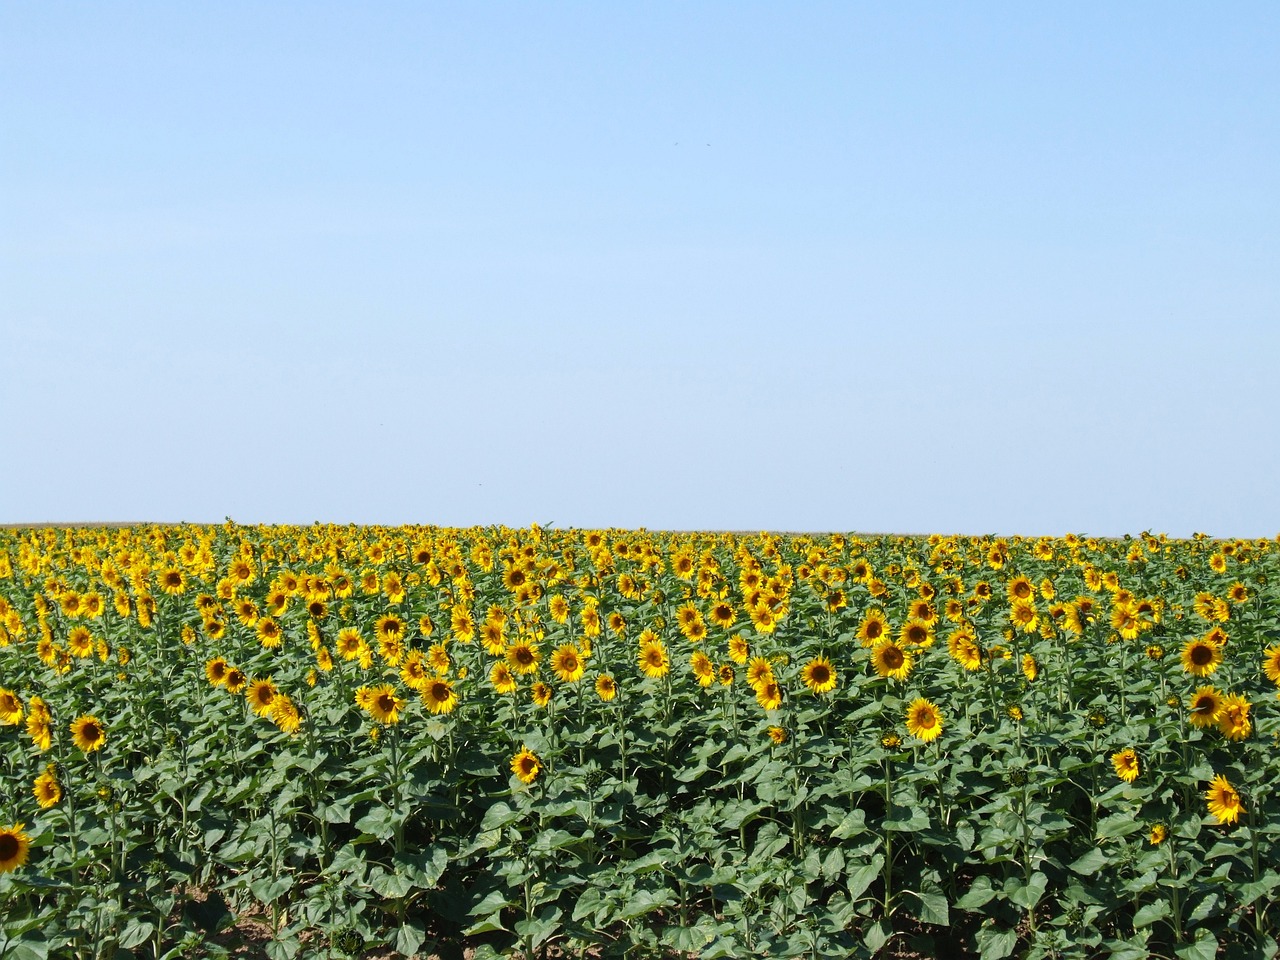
415	741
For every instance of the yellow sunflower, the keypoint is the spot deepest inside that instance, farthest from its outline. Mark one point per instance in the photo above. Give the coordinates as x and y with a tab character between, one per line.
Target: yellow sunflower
384	705
11	711
47	790
1234	721
703	668
540	694
769	694
284	714
523	657
439	696
924	720
260	694
88	733
874	628
1201	657
653	659
819	675
606	687
1126	764
526	766
890	660
566	663
1205	707
1223	800
14	844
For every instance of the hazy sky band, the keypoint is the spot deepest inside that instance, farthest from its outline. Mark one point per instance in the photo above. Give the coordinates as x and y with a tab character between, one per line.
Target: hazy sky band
971	268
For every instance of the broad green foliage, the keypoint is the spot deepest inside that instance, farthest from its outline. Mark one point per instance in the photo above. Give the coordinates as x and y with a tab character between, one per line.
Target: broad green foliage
626	743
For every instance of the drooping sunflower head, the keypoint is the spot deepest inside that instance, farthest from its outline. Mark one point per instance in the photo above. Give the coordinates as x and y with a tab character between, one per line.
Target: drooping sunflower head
11	710
47	790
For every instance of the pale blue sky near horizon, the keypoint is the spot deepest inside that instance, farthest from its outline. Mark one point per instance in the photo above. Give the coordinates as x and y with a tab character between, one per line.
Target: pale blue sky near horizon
975	268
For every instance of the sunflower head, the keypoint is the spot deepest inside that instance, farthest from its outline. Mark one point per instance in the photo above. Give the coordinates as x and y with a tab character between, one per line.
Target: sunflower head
89	733
14	844
526	766
924	720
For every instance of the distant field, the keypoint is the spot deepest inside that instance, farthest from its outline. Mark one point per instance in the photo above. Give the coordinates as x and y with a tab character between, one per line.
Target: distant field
549	742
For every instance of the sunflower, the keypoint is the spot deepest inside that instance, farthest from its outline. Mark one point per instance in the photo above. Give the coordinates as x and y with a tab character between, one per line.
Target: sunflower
540	694
1271	664
916	633
384	705
523	657
88	733
703	668
1159	833
924	720
778	735
769	694
526	766
349	643
759	671
491	636
739	649
1201	657
80	642
1030	669
260	694
1224	801
11	711
1126	764
653	659
389	625
722	615
606	687
14	844
438	659
566	663
964	649
47	790
269	632
874	628
1234	721
236	680
439	696
501	678
284	714
891	661
763	618
40	724
819	675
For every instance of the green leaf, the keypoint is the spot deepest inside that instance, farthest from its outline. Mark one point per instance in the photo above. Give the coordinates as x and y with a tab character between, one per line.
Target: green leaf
1204	947
864	876
1151	912
933	907
1091	862
268	890
136	933
1026	895
877	936
980	893
995	943
410	937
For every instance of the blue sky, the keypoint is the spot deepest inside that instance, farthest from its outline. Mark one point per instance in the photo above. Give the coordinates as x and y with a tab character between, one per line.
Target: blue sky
965	268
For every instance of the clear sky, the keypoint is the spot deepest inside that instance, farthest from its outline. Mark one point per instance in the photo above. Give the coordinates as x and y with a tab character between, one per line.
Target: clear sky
965	267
